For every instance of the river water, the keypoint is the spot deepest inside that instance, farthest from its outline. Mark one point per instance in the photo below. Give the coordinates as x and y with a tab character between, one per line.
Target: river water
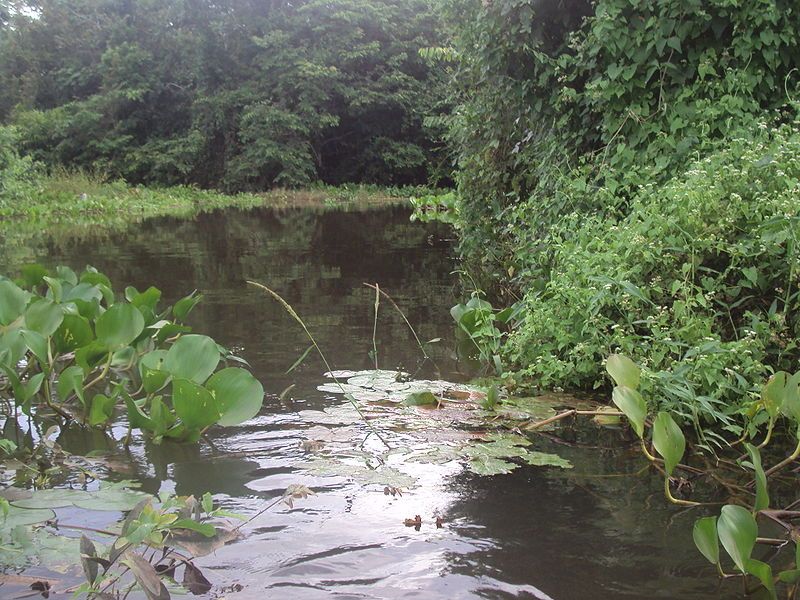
599	530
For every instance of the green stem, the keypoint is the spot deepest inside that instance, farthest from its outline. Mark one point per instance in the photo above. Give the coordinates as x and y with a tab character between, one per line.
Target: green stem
673	499
103	373
297	318
646	452
788	460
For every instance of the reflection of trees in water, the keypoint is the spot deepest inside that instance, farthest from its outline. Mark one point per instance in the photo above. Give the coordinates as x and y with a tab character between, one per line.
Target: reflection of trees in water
317	259
583	533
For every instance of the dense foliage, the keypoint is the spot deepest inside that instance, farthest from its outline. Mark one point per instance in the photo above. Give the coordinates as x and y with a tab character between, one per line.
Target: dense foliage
570	106
629	169
232	95
68	343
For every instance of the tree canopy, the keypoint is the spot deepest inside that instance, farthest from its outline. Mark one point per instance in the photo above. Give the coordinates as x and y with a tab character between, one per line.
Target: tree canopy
233	94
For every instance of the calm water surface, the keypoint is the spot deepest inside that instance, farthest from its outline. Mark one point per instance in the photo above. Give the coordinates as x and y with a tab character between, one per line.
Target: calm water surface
596	531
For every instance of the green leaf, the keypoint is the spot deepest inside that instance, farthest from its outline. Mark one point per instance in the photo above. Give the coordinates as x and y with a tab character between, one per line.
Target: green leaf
239	395
623	371
44	317
489	465
102	409
73	333
791	400
33	274
773	393
17	516
91	355
545	459
194	404
737	530
192	357
37	344
136	416
762	494
425	398
205	529
631	403
763	572
12	301
705	538
154	377
185	305
70	380
119	326
13	342
668	440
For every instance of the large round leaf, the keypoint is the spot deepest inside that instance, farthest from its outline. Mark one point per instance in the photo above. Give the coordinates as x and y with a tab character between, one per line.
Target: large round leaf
239	395
194	404
44	317
737	531
192	357
12	301
119	326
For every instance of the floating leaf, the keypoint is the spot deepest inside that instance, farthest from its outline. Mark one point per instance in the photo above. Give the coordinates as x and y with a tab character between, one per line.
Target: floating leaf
668	440
737	531
18	515
489	465
631	403
421	399
705	538
239	395
545	459
623	371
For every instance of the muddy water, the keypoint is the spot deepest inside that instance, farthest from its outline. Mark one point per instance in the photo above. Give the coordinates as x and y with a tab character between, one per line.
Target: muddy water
596	531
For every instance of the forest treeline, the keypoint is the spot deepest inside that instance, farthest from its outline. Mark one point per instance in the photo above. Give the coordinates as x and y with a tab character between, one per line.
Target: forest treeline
232	94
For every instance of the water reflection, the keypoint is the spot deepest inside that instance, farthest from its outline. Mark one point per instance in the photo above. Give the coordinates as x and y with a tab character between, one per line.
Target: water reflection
536	533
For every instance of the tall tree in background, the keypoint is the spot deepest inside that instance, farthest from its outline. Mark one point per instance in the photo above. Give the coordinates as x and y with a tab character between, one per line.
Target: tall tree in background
230	94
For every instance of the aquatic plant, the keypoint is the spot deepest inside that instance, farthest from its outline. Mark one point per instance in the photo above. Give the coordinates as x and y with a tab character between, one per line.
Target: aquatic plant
69	345
735	527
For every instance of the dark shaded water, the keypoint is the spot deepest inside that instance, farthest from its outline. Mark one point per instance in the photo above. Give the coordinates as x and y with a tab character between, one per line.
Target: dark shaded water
597	531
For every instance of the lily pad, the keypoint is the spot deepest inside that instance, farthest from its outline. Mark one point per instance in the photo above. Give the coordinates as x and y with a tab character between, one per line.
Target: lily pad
360	473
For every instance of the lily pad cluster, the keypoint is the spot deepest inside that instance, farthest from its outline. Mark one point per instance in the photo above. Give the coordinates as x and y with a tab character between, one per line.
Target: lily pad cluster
70	343
416	422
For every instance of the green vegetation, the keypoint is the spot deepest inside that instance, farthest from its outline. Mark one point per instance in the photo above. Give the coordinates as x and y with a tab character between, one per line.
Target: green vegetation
68	343
629	171
231	95
628	182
